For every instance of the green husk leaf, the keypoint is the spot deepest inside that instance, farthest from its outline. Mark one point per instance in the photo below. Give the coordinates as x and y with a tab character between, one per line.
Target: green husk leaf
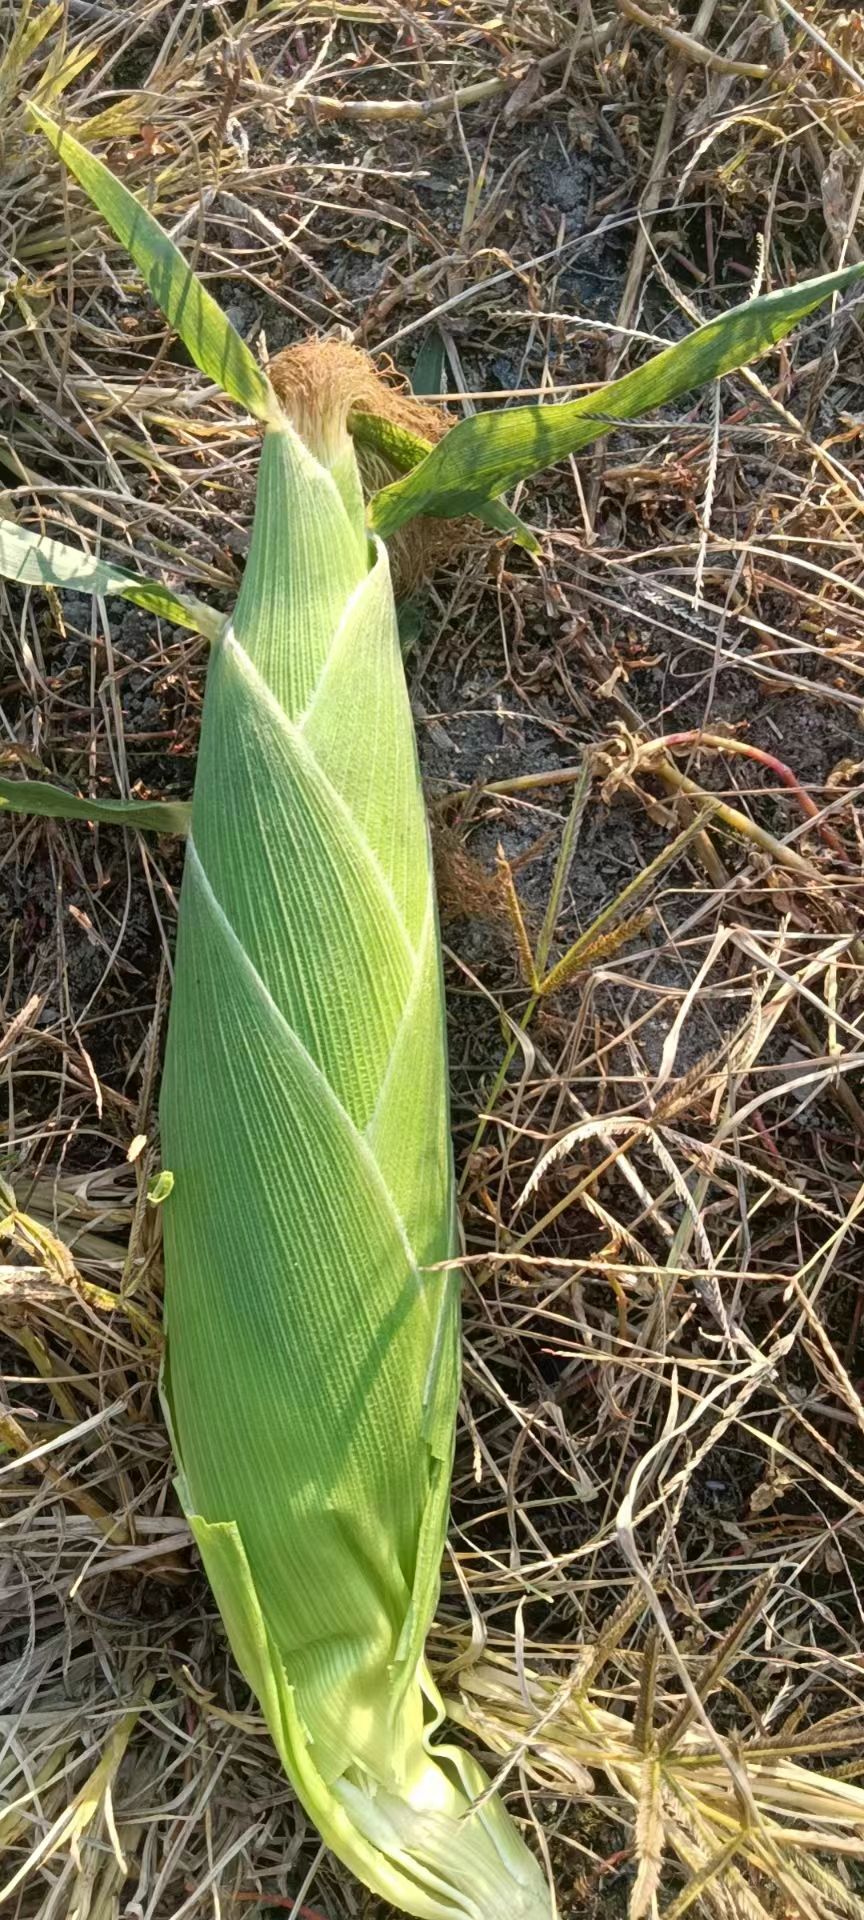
312	1307
415	1860
40	798
215	345
406	451
36	560
488	453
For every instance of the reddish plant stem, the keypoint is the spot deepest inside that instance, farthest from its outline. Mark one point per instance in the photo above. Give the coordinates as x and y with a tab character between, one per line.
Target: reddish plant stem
281	1900
723	743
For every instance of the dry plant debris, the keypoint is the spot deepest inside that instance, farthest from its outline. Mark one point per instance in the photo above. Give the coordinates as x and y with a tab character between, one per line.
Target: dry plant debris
651	1617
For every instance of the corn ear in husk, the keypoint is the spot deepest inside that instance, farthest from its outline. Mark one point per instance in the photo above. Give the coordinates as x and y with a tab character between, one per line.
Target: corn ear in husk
312	1329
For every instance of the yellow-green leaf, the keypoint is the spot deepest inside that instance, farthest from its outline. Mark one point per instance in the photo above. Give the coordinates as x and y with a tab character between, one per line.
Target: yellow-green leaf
36	560
215	345
488	453
42	799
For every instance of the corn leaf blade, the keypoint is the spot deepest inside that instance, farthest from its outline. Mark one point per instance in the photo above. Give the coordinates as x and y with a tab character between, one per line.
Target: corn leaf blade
36	560
487	454
40	798
215	345
406	450
500	518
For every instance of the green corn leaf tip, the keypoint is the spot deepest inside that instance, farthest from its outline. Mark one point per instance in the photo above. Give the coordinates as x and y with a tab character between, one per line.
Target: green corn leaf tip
215	345
43	800
490	452
35	560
